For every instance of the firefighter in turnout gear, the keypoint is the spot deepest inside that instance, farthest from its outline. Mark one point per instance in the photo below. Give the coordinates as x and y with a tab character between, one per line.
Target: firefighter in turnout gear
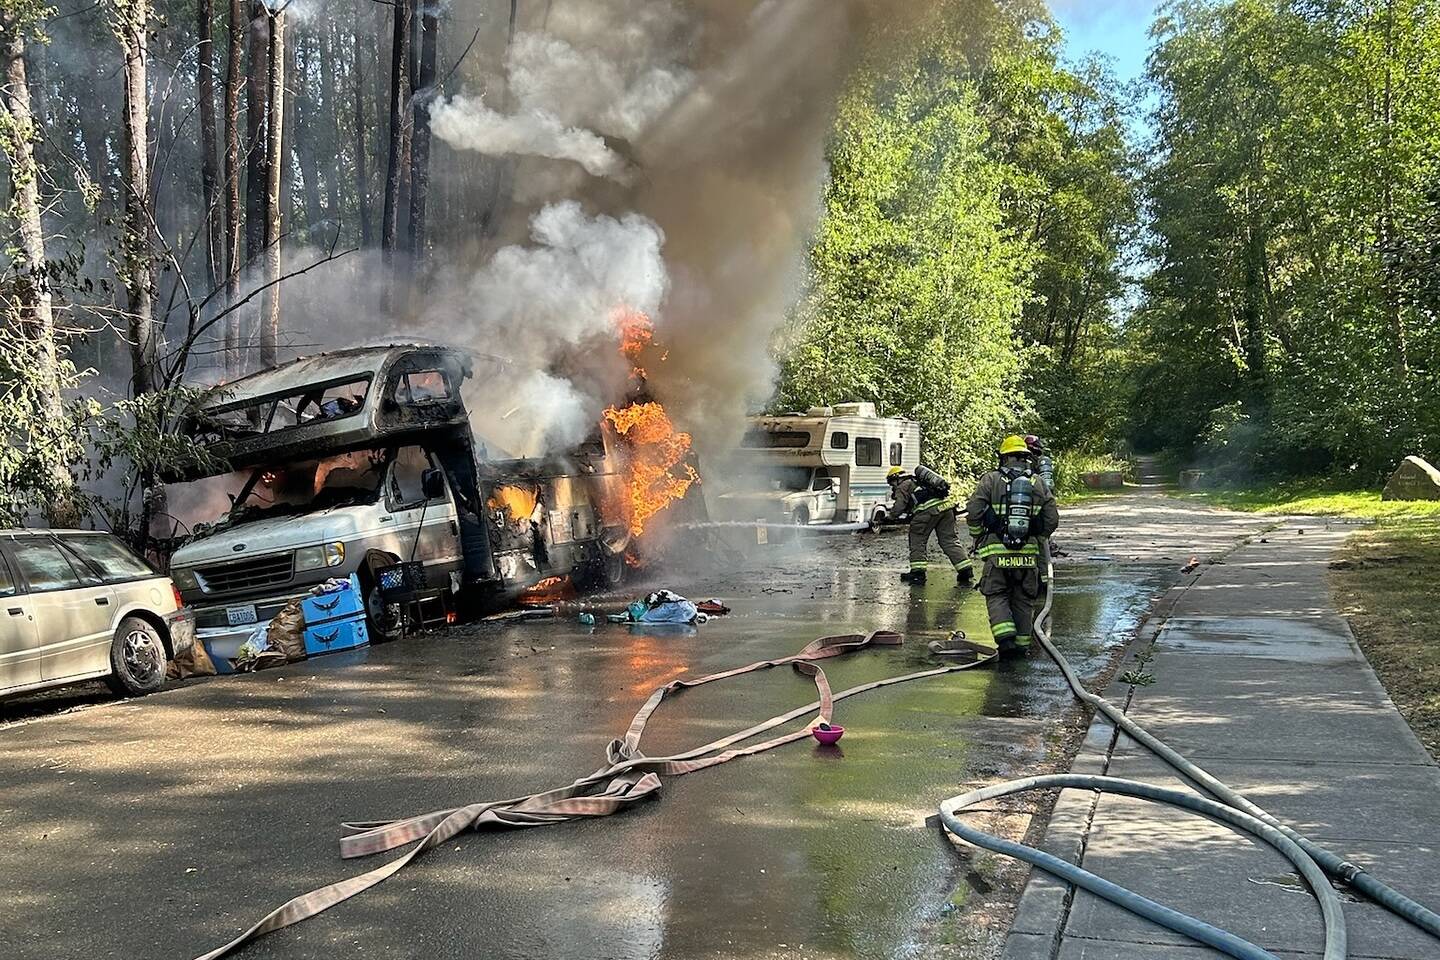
1011	512
926	500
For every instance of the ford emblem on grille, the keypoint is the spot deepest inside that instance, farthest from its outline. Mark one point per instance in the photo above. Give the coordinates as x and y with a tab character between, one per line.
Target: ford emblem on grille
238	547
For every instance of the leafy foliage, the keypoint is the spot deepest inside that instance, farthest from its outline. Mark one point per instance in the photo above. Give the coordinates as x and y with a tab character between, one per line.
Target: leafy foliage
969	263
1289	325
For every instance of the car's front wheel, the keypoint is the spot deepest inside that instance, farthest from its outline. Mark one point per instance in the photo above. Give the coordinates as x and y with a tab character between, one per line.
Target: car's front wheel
137	658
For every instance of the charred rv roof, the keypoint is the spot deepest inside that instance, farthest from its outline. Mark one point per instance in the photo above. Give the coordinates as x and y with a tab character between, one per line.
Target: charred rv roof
332	402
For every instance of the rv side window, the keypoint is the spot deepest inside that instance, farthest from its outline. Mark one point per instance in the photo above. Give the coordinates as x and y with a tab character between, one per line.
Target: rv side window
405	476
867	451
421	386
765	439
897	454
840	440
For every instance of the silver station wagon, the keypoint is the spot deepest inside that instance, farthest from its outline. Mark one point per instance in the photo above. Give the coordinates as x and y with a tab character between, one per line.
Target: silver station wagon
78	605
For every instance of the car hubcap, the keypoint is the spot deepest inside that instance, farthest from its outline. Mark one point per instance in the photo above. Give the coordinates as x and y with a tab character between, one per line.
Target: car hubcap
142	656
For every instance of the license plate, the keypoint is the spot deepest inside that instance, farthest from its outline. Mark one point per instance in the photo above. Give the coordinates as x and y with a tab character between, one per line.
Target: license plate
239	616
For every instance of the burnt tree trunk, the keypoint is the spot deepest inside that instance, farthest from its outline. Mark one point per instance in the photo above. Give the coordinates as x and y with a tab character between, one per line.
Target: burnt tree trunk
331	93
399	105
234	70
420	137
362	178
257	85
274	167
209	175
303	110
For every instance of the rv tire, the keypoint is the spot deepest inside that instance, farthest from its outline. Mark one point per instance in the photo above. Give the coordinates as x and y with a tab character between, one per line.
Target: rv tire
384	621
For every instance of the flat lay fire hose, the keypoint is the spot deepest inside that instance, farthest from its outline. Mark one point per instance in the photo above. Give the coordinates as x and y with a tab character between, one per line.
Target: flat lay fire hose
1311	861
630	776
627	777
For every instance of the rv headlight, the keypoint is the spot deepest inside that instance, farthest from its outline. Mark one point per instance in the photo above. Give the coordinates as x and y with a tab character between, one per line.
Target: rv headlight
185	579
313	558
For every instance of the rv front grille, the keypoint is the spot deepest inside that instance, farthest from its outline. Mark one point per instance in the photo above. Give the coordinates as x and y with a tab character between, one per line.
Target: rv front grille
271	571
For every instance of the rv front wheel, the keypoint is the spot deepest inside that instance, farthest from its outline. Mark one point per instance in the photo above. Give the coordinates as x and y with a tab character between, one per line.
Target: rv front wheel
801	517
385	621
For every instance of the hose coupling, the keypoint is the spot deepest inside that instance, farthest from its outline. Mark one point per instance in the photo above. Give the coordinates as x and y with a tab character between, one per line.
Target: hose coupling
1349	871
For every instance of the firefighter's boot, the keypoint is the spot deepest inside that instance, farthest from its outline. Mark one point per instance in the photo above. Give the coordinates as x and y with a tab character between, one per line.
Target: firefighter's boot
913	577
1009	649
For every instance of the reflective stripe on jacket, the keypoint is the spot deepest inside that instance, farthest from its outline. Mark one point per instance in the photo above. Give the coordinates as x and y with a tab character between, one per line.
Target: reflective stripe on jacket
990	495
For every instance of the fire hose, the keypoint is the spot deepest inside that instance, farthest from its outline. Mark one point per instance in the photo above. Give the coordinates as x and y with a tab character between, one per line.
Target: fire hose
628	776
1313	862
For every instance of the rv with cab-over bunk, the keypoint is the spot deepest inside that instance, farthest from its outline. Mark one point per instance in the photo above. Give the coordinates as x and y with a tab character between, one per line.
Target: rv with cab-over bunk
827	465
357	460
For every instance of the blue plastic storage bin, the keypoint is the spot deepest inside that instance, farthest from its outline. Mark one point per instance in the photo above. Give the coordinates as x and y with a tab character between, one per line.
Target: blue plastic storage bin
322	638
340	605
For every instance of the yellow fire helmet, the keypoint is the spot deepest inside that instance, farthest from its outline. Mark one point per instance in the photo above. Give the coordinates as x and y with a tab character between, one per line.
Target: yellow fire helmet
1013	444
894	472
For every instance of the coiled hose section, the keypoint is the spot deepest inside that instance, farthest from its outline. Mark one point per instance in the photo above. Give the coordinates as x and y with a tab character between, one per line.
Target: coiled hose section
1312	861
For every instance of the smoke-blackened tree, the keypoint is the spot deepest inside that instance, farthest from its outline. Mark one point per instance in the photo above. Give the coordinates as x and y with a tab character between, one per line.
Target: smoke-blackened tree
399	116
274	166
425	93
234	81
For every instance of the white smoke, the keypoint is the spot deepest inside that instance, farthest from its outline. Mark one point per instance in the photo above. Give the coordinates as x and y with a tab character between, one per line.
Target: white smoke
540	303
568	282
468	124
604	70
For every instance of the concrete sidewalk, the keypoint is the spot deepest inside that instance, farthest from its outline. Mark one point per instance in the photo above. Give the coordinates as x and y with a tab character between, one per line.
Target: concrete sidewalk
1259	681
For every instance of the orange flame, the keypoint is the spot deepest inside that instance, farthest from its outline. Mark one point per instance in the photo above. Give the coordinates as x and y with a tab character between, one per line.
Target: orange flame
548	590
657	474
518	500
637	333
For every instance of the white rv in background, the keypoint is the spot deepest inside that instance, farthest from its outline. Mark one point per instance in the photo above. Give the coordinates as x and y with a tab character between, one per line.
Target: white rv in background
827	465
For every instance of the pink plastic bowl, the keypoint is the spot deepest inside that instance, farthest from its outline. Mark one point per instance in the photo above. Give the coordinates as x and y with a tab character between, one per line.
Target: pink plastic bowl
827	733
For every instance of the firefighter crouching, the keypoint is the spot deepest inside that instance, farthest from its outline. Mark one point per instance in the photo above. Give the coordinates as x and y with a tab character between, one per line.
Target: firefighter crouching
926	500
1011	512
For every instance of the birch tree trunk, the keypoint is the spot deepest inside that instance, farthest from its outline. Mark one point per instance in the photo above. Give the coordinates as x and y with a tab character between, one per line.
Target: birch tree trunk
36	315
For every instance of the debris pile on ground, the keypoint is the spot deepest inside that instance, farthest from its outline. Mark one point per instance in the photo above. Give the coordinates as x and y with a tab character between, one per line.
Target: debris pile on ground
331	617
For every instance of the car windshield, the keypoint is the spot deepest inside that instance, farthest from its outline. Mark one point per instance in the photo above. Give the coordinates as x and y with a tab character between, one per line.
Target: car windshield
307	485
788	478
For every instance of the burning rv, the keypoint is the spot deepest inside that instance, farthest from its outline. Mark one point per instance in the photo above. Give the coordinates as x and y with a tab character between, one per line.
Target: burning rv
357	459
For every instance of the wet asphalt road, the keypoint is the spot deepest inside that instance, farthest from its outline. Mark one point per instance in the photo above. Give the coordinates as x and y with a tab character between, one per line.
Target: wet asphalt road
159	828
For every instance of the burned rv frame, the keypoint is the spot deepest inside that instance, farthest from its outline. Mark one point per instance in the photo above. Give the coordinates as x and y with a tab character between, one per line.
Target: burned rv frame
499	527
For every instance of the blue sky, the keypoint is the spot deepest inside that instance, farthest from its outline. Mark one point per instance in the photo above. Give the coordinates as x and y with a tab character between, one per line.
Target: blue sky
1117	28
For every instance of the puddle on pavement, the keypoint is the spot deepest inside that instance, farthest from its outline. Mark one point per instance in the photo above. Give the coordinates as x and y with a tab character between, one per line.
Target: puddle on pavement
826	846
1294	883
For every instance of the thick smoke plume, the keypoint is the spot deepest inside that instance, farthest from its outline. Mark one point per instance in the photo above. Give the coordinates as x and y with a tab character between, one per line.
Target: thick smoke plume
665	157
